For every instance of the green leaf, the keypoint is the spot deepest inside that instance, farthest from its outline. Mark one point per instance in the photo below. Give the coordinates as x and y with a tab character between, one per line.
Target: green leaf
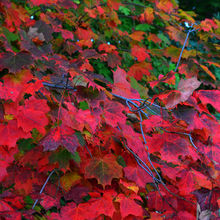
76	157
164	38
62	157
144	27
80	138
83	105
121	161
25	144
28	202
76	1
124	10
141	89
9	35
177	80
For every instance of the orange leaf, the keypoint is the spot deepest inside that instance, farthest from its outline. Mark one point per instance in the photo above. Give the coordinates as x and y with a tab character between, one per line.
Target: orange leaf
147	16
205	68
137	35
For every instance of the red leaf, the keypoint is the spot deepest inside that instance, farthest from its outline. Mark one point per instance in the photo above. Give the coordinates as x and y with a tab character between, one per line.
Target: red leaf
44	2
185	89
139	69
33	115
137	175
208	24
192	180
128	206
3	171
122	86
165	5
210	97
185	215
113	113
103	169
76	194
140	53
60	137
169	78
8	93
91	209
48	202
169	145
107	48
10	133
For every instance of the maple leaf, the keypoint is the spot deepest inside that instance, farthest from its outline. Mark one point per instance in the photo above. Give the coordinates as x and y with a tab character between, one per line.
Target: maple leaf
169	78
134	141
113	113
114	59
44	2
172	52
154	121
192	180
210	97
208	24
69	180
147	16
169	145
8	93
185	89
139	69
32	115
154	38
165	5
3	171
176	34
137	35
10	133
122	86
48	202
207	198
137	175
107	48
140	53
76	193
104	169
205	68
190	70
86	119
100	205
15	62
128	206
60	136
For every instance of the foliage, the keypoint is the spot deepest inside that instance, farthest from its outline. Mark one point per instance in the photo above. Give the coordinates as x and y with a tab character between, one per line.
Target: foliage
97	119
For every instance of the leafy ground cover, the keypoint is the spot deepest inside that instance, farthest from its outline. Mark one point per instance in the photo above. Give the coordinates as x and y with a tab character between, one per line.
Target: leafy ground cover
108	110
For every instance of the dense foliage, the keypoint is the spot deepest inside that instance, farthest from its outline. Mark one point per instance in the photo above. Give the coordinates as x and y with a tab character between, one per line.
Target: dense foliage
109	109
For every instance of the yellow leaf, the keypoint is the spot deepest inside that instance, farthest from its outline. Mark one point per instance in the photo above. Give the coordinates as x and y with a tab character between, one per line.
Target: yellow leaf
69	179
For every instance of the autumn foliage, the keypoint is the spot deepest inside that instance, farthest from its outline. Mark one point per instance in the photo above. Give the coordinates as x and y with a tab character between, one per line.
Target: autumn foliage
109	109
